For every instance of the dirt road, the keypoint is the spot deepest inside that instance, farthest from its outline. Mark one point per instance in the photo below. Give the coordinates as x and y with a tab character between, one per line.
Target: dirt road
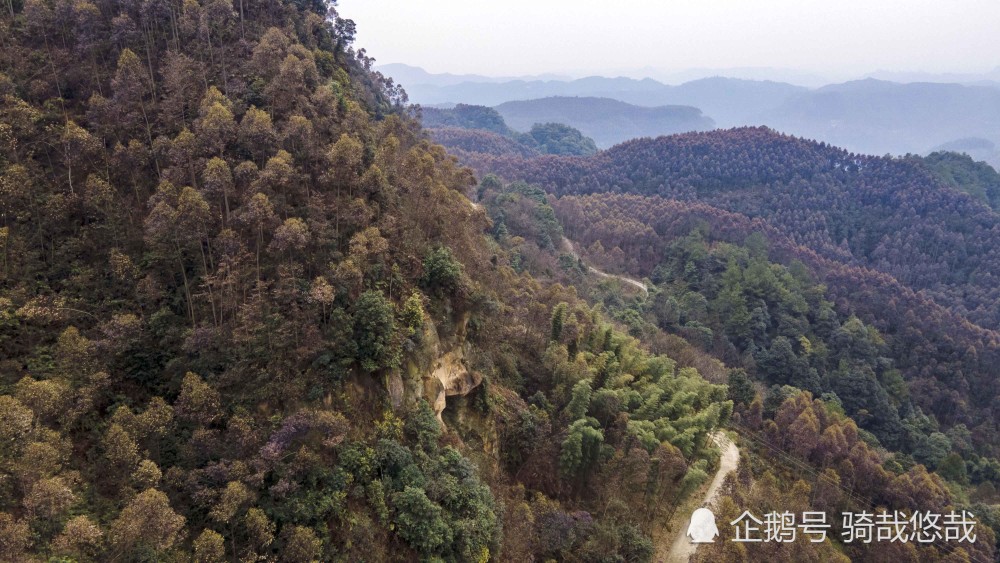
568	245
682	549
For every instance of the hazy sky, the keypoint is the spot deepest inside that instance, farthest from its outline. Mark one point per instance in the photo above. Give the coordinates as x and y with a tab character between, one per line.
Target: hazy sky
832	37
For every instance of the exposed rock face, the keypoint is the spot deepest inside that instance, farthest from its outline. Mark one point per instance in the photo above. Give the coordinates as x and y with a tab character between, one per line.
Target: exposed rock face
438	370
450	377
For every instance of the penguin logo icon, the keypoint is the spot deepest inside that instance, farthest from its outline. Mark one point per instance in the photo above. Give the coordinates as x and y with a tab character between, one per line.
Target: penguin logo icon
702	528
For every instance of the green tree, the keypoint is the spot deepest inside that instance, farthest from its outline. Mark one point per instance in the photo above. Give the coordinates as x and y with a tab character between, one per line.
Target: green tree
581	448
374	332
442	272
421	522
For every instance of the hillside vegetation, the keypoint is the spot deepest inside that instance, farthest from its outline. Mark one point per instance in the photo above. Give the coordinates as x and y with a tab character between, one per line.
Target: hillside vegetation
248	313
821	409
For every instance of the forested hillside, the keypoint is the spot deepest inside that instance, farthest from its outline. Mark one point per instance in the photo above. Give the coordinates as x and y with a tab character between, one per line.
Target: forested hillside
927	252
866	282
891	215
248	313
821	407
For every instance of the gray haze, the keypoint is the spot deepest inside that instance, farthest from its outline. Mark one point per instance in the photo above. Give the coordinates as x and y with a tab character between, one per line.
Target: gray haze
819	40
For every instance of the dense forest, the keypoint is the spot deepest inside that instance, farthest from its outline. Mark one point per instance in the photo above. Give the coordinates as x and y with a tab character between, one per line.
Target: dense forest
959	170
249	313
927	252
819	401
887	214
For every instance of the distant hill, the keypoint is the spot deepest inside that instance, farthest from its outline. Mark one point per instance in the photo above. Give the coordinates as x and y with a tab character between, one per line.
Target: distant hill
490	92
979	149
869	116
464	116
730	102
960	171
409	75
607	121
480	129
875	116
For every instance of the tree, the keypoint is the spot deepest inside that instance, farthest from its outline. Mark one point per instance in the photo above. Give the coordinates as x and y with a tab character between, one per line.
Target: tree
581	448
301	545
291	236
209	547
15	537
442	272
216	128
259	530
580	401
80	149
257	134
49	499
374	332
932	450
217	180
131	87
146	522
120	450
198	401
80	538
952	468
741	389
558	317
420	522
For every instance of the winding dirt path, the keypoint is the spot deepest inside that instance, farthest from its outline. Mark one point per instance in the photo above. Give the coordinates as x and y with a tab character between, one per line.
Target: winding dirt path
568	245
681	550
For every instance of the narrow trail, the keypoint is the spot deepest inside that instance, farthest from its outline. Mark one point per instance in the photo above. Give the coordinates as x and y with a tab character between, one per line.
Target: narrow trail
568	245
681	549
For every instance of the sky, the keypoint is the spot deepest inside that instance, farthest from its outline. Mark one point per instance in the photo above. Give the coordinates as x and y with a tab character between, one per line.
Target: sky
630	37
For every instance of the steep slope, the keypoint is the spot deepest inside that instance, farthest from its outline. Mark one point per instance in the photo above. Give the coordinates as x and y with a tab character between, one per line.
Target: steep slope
718	286
927	253
247	312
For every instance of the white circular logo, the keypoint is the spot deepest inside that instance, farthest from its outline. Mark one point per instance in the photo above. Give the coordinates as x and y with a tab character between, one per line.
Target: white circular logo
702	528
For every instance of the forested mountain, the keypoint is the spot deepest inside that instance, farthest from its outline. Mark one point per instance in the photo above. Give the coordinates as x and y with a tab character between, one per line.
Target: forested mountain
892	215
248	313
981	150
861	437
775	253
607	121
960	171
465	116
